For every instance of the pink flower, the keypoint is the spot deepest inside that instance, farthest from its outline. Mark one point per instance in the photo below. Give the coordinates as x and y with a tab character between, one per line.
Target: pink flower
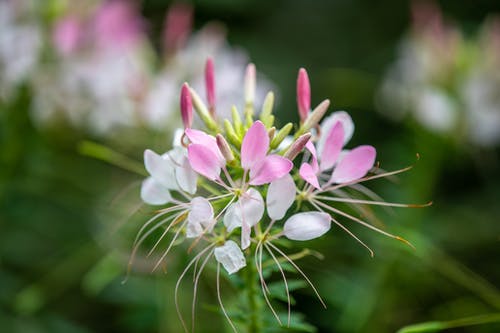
206	158
347	166
117	25
67	35
263	168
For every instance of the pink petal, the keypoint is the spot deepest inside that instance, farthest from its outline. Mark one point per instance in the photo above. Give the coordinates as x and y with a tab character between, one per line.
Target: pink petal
208	141
303	94
309	175
186	106
204	161
328	123
354	165
314	162
254	146
307	226
333	145
271	168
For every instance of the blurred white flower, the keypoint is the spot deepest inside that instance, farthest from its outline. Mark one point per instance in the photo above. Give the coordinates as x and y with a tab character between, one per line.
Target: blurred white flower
20	44
448	84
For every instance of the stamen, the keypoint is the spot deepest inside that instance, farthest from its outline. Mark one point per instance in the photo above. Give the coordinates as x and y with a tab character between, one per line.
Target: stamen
350	233
368	225
220	300
284	281
195	289
300	271
199	255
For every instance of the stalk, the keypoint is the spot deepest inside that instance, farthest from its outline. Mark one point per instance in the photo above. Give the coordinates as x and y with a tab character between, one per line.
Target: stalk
254	323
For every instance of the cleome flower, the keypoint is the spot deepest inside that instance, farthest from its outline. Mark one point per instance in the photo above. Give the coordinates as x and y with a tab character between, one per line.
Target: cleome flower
231	187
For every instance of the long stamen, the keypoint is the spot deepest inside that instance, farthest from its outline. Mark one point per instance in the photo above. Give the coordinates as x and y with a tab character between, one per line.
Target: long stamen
138	243
151	220
176	220
366	224
284	281
263	285
220	300
349	232
199	255
169	246
327	188
300	271
369	202
195	289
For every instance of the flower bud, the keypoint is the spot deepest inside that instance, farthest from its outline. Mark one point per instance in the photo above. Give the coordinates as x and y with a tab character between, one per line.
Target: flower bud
202	110
297	146
186	106
314	117
250	84
210	85
224	148
303	94
282	134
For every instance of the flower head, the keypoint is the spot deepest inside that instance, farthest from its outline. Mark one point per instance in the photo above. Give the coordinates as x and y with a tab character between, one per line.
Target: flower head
231	186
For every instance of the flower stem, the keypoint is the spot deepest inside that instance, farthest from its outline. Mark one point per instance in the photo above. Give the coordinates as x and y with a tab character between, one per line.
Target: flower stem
254	322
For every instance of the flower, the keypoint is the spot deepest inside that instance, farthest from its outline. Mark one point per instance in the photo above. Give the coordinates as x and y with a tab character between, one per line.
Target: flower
231	186
445	80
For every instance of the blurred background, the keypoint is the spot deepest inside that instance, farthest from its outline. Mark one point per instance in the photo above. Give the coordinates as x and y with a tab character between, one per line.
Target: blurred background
85	87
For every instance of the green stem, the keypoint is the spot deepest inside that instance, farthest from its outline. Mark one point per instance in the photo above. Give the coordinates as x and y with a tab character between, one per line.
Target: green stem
254	323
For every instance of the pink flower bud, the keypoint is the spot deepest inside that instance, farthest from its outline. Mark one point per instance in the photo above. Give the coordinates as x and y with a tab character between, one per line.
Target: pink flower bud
177	27
67	35
303	94
186	106
250	77
210	85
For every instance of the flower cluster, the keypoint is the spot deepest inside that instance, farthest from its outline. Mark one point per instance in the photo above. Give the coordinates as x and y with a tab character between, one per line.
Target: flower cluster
95	66
237	188
447	82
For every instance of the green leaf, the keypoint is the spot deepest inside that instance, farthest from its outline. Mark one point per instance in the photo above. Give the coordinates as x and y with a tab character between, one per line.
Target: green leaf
436	326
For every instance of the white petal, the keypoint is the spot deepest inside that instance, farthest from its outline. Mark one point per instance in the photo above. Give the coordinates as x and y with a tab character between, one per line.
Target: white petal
328	123
178	133
160	168
201	211
230	256
154	193
306	226
249	208
186	176
280	196
193	230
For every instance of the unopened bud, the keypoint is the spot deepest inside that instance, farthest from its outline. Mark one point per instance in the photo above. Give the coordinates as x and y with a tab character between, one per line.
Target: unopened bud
303	94
231	134
186	106
202	111
297	146
238	125
224	148
250	84
271	133
314	117
267	109
210	85
282	134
